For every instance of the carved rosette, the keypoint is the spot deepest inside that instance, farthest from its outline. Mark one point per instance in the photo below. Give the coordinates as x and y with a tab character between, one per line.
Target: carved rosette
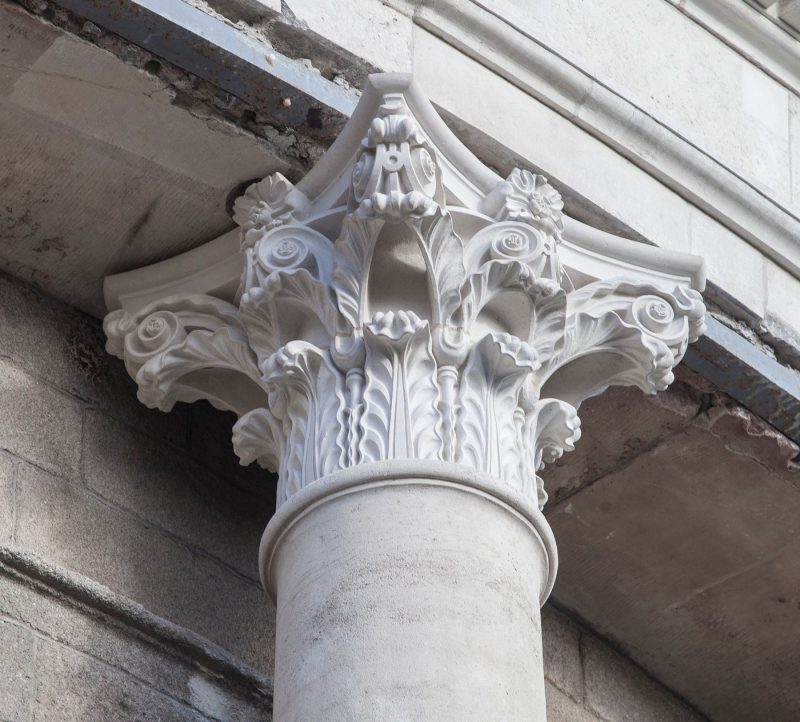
391	325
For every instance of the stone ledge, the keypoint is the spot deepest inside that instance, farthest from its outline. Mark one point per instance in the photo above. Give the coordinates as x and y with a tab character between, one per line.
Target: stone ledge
83	592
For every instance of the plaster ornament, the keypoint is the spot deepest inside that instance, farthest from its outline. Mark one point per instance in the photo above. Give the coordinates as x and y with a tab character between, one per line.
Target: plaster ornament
403	302
267	204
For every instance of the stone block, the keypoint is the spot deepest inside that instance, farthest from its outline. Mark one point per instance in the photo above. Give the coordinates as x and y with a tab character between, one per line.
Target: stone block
8	470
74	686
150	660
70	526
617	690
372	31
17	674
170	490
676	553
733	264
783	303
49	339
562	656
40	423
615	428
562	708
210	444
91	634
657	58
65	347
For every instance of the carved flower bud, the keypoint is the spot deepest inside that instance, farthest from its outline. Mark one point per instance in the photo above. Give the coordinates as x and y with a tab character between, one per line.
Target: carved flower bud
516	241
155	333
282	251
531	199
653	313
395	128
265	205
117	325
395	325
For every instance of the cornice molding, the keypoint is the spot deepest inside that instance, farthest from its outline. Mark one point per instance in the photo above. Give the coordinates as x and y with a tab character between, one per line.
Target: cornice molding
405	302
241	64
692	173
761	39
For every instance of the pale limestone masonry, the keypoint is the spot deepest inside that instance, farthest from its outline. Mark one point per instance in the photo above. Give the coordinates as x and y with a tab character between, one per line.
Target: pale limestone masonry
103	509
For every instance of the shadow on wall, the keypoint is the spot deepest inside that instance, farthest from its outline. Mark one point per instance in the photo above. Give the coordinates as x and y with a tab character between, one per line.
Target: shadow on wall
154	506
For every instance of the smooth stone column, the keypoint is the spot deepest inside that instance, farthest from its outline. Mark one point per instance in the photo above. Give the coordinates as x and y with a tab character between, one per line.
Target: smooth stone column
408	590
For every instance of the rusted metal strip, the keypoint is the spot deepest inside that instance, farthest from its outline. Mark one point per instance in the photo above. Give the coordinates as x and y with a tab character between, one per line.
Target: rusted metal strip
236	62
743	371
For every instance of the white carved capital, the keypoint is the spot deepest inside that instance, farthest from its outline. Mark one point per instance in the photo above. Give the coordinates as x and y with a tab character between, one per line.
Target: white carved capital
404	302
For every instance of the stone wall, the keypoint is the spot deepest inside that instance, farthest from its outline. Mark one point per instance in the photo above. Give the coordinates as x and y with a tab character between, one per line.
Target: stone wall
128	542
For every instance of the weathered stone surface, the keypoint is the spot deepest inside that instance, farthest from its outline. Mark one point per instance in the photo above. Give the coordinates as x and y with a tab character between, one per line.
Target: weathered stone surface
617	690
620	425
48	339
93	636
587	680
247	10
71	526
742	119
40	423
562	708
78	687
562	658
17	669
66	348
8	471
373	32
78	613
73	165
173	492
676	554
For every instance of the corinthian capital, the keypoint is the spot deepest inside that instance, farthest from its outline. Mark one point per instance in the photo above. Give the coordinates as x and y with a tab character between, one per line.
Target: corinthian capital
404	302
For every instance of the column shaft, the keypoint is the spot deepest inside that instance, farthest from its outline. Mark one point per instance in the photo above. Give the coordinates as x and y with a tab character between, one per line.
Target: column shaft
407	596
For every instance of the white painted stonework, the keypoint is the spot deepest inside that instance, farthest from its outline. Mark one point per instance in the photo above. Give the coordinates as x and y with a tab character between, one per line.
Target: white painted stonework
408	590
406	338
